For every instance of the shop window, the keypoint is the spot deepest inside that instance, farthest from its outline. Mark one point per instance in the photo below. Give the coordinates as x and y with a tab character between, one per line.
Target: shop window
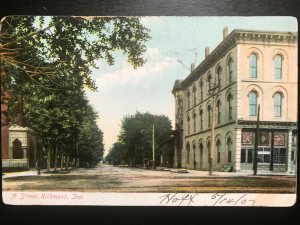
263	155
243	155
250	156
279	155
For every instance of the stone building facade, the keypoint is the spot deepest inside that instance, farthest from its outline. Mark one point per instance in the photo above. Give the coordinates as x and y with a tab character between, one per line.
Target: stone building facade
248	68
20	154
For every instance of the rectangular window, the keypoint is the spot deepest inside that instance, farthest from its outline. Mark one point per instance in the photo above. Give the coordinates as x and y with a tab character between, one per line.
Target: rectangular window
243	156
250	156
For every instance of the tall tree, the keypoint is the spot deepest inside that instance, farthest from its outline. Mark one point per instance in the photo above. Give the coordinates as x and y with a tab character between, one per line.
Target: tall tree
46	62
136	136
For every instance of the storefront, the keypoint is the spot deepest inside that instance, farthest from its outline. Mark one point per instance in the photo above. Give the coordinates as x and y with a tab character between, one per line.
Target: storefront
278	146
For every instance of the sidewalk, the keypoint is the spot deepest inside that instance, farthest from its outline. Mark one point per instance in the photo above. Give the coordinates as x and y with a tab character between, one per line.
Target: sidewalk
229	174
185	172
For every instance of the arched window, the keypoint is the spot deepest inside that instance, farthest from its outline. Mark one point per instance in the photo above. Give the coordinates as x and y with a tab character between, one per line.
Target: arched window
195	95
229	69
218	145
209	84
219	76
229	149
201	90
188	120
218	111
277	105
17	151
229	105
252	103
277	67
189	100
201	119
201	154
209	115
188	152
208	150
252	66
194	117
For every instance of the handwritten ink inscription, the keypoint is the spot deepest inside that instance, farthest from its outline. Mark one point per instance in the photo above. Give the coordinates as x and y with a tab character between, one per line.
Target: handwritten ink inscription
225	199
216	199
178	199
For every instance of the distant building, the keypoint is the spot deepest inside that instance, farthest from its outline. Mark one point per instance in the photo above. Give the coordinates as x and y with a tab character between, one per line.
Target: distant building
248	68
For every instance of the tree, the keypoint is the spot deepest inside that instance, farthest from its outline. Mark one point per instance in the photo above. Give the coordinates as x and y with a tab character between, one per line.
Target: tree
136	137
46	63
116	154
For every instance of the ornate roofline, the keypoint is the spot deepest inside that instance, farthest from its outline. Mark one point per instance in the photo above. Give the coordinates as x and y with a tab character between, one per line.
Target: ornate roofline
240	36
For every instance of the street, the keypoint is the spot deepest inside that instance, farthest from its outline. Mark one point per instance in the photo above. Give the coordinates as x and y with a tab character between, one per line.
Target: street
107	178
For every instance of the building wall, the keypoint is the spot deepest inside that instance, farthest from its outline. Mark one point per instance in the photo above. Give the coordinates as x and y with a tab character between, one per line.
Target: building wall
238	48
265	84
222	129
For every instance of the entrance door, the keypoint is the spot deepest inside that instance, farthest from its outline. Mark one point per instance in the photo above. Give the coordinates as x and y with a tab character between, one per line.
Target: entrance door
17	151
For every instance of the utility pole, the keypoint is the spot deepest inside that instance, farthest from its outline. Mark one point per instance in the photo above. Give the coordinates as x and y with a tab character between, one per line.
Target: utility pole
256	143
153	149
272	151
212	132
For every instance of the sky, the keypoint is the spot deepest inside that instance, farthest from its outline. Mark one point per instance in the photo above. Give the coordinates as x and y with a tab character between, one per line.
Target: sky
123	90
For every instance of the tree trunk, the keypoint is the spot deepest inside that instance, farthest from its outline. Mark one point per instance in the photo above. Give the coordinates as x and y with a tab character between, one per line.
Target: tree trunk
49	159
61	158
55	157
67	162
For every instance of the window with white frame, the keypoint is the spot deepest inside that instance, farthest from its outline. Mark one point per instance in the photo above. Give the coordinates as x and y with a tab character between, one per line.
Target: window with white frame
252	103
253	66
277	67
277	105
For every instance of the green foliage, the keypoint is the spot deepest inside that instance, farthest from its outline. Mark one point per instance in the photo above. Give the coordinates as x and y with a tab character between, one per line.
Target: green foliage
136	138
45	64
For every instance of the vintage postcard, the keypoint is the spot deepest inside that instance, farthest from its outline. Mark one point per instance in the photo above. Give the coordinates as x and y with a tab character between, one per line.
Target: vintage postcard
149	111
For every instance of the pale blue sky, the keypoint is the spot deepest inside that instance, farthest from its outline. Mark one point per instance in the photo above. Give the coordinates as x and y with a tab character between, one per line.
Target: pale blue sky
123	90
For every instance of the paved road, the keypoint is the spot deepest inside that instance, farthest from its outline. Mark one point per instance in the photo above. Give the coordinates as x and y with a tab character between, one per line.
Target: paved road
106	178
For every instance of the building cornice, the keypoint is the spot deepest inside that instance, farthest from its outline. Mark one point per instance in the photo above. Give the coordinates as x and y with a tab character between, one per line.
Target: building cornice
267	124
